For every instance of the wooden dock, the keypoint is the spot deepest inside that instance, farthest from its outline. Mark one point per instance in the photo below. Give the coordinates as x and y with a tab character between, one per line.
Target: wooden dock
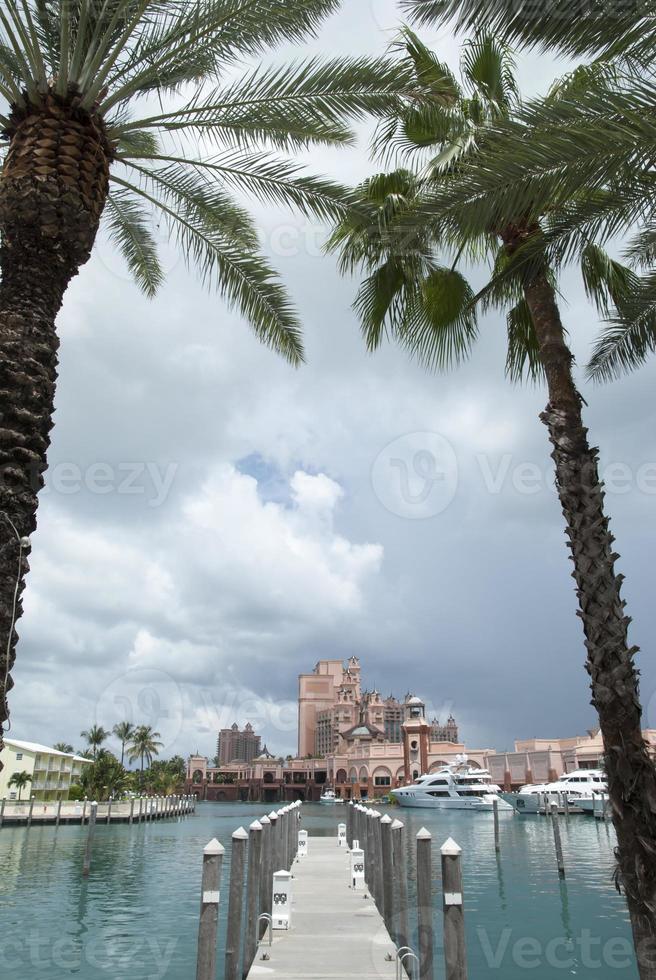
336	931
135	810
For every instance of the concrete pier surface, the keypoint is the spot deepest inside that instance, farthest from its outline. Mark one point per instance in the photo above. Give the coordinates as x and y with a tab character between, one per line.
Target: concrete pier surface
336	932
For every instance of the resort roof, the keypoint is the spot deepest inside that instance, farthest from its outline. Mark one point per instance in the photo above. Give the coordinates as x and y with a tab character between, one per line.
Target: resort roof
38	748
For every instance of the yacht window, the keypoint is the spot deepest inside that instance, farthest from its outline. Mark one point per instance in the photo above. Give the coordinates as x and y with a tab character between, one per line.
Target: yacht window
437	792
439	782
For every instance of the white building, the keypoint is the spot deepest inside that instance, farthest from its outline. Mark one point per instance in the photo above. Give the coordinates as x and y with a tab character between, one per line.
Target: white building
52	772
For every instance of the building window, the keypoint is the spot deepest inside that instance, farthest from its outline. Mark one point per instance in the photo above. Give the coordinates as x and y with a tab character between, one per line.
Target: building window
382	781
19	756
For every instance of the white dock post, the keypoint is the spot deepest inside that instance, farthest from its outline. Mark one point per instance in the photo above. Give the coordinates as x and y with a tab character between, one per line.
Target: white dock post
281	900
455	953
235	904
302	843
209	911
358	882
341	835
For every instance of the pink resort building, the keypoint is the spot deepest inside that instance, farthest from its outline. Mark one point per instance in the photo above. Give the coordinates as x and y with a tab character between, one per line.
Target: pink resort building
356	741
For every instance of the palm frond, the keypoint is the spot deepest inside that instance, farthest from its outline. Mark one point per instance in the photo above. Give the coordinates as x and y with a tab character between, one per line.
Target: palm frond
629	337
607	282
128	228
523	355
225	255
598	28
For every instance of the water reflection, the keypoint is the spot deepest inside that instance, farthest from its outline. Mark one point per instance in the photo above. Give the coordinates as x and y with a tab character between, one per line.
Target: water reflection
137	913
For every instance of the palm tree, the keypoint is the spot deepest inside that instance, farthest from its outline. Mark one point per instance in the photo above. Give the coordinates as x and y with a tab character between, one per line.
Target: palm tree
143	746
20	781
123	731
599	139
64	747
121	109
428	308
95	736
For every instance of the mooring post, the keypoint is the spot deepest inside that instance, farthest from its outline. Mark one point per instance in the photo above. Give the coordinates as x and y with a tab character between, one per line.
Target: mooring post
139	817
2	810
455	953
282	823
557	841
84	811
253	886
209	910
265	876
566	804
401	928
369	852
424	905
387	872
29	812
109	809
275	844
131	817
495	809
89	845
235	904
58	816
378	843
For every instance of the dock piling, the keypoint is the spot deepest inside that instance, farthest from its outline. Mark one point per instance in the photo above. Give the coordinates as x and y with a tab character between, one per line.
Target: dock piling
387	871
557	841
455	952
29	813
252	895
58	814
2	810
401	928
235	904
495	809
209	911
425	905
90	835
265	878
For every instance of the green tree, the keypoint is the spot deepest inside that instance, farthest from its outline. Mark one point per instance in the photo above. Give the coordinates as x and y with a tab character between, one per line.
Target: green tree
143	746
95	737
64	747
20	781
586	159
405	219
127	110
123	732
104	779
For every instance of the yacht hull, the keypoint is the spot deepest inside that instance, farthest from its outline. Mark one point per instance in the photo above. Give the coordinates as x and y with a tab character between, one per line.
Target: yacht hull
430	803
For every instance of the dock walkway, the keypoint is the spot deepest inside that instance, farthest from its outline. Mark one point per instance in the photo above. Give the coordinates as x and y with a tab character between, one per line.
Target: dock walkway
336	932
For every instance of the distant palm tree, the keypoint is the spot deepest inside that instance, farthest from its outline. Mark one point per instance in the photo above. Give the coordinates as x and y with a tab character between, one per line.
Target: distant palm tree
144	745
123	732
95	736
64	747
20	781
130	110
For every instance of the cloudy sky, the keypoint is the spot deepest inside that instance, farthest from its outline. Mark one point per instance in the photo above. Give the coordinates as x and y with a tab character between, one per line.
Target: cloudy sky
215	521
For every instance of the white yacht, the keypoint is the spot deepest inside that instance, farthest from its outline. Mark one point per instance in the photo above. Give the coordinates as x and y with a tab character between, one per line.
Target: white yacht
579	787
330	798
452	788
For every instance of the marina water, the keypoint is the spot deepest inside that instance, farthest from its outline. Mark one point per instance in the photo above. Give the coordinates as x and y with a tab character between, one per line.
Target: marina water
136	916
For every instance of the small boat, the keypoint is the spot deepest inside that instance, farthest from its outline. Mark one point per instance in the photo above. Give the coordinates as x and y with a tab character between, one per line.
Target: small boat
458	787
579	788
330	798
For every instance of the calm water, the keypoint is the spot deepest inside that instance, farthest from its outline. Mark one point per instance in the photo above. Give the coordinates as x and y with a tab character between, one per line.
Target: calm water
136	917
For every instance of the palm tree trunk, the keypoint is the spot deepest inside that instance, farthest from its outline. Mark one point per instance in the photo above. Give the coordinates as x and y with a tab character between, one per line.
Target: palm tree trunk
610	659
52	192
